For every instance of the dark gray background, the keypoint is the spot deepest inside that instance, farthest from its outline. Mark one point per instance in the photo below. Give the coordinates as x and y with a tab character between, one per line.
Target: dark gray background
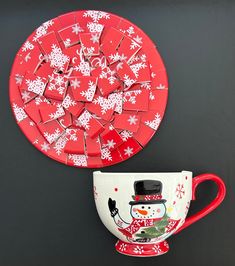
47	211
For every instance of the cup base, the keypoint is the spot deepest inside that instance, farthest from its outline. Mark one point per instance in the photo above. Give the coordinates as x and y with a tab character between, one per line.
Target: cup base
142	250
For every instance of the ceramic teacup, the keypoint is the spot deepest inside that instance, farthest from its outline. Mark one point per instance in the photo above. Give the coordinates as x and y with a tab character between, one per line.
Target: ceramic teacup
143	209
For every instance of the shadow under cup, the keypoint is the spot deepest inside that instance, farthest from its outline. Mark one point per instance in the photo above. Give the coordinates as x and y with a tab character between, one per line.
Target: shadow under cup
143	209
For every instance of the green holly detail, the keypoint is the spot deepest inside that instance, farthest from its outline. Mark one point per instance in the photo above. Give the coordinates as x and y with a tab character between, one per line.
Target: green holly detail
157	230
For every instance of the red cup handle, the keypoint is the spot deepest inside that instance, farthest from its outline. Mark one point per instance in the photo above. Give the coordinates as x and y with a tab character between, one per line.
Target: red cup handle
213	205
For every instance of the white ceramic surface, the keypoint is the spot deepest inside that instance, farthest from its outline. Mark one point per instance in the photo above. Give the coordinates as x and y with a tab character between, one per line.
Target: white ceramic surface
176	190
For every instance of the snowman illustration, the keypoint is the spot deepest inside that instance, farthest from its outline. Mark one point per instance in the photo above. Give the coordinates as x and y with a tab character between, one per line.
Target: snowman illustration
148	212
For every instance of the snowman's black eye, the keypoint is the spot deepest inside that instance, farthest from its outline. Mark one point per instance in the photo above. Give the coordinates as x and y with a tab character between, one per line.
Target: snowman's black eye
142	207
149	207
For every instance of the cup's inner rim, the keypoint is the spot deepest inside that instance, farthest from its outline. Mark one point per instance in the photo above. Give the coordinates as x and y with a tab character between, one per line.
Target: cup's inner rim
178	172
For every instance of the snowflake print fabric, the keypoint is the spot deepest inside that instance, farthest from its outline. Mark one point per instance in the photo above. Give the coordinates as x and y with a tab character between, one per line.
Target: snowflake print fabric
93	73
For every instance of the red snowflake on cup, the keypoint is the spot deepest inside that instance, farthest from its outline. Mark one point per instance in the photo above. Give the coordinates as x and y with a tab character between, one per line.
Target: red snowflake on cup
180	191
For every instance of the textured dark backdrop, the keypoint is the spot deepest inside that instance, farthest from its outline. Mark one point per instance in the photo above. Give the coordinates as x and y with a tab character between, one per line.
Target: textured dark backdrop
47	212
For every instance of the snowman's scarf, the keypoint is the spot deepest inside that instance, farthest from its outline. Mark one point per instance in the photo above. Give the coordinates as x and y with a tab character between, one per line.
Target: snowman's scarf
136	224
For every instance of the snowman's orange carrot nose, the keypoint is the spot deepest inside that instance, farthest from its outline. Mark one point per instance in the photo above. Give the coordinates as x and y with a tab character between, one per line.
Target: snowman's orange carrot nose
143	212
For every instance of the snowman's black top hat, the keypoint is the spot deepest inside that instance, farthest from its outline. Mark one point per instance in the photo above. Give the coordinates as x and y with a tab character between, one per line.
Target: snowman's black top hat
147	192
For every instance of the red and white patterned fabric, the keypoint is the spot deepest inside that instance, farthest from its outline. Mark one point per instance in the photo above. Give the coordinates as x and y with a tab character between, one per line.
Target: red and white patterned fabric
136	224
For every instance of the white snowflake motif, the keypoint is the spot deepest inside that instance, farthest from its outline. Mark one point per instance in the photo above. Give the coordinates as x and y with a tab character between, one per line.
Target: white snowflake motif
78	160
106	154
137	67
146	85
138	249
96	15
166	244
132	120
45	147
156	249
31	123
67	42
39	100
130	31
123	31
105	104
180	191
75	83
59	80
57	58
42	30
154	124
26	96
134	59
137	58
84	119
18	79
114	57
130	96
76	29
78	124
68	102
161	87
128	81
138	39
143	57
27	57
117	99
51	137
108	74
125	135
71	134
151	96
122	57
84	68
60	144
122	247
19	112
95	38
27	46
48	23
111	78
128	151
58	83
134	45
110	144
95	27
119	66
153	75
37	85
59	112
89	93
